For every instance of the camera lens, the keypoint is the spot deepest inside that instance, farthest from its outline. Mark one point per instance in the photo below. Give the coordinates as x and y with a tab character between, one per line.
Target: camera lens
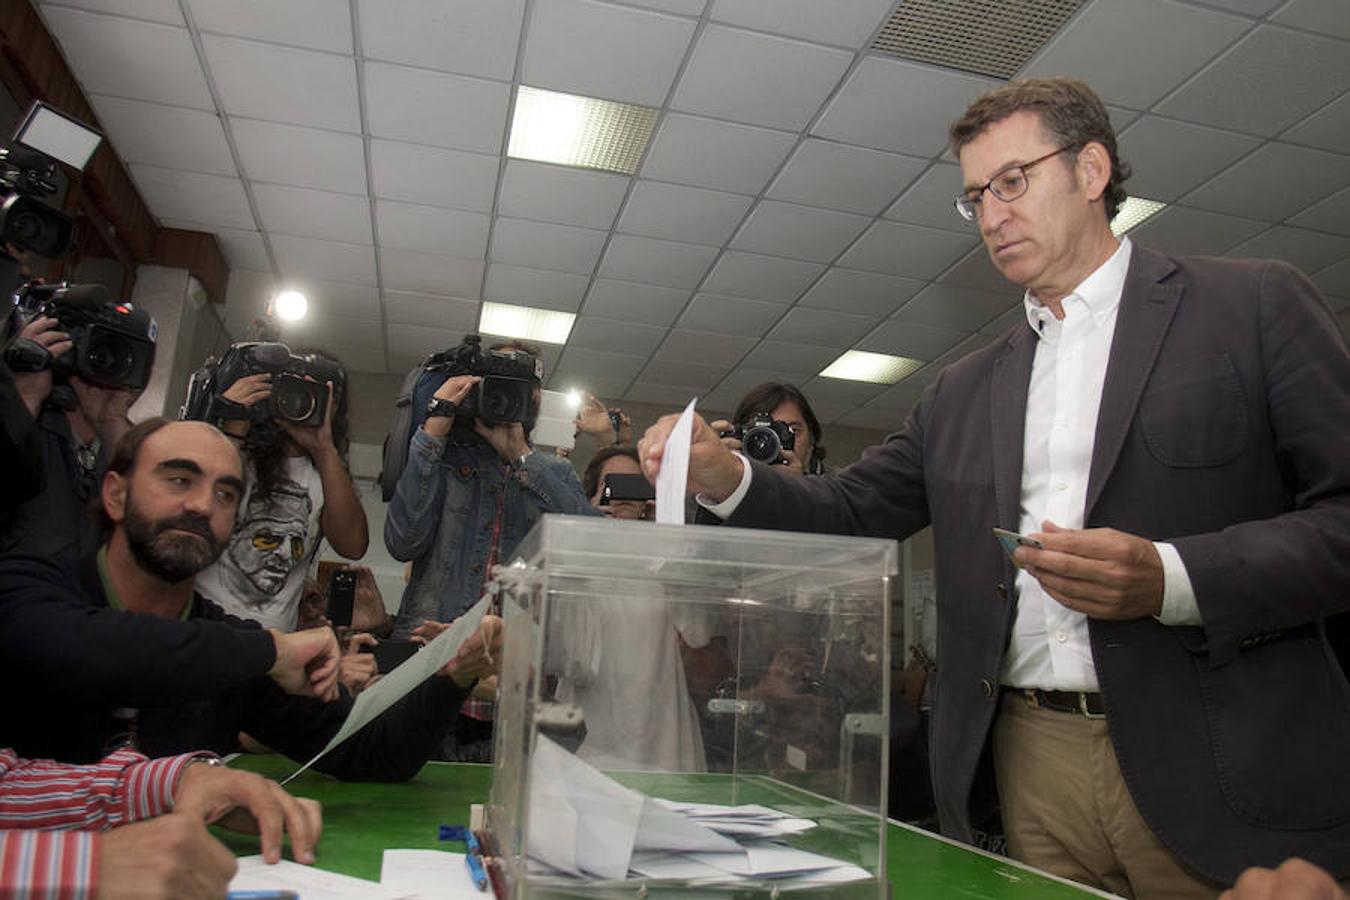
294	402
762	443
109	358
500	400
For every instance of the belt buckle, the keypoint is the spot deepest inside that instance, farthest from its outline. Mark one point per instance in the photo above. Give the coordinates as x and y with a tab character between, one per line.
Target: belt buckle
1083	708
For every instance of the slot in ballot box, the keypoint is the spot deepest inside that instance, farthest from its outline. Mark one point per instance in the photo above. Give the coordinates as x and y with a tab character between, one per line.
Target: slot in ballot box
691	710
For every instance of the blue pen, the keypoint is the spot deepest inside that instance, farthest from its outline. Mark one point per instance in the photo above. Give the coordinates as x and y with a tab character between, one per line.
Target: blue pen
474	858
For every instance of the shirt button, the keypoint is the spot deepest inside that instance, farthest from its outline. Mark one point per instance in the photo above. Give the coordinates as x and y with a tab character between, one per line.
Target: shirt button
987	687
1061	636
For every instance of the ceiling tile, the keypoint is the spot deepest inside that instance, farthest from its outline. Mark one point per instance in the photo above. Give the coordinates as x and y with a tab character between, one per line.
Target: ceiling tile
1169	158
680	213
1273	183
137	131
471	37
403	270
976	270
708	348
243	249
541	288
632	302
439	312
899	398
303	157
911	339
302	257
1322	16
730	315
430	229
602	50
669	264
1308	250
1330	214
1334	279
316	24
957	308
900	106
840	391
368	357
845	24
298	87
210	199
736	385
909	250
335	299
929	200
420	340
761	277
680	374
679	7
541	245
163	11
1084	46
97	48
799	232
885	420
1182	231
435	108
609	390
722	155
673	396
578	361
803	325
789	358
864	293
839	176
1247	7
1269	81
568	196
615	336
433	176
316	214
964	347
757	78
1325	128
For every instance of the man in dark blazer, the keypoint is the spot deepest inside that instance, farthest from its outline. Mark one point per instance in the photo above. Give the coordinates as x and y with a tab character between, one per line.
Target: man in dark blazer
1154	684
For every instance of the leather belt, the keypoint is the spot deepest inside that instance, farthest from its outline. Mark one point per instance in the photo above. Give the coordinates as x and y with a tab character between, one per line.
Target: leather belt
1079	703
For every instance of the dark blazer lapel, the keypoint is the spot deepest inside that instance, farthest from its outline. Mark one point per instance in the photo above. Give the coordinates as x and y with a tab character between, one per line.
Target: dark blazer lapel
1146	310
1010	381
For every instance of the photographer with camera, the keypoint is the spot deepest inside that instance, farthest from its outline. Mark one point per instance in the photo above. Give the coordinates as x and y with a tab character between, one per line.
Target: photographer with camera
473	486
293	428
774	424
79	412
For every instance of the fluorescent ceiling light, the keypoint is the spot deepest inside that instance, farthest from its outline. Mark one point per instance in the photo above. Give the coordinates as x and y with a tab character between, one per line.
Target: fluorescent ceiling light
1135	211
545	325
579	131
874	368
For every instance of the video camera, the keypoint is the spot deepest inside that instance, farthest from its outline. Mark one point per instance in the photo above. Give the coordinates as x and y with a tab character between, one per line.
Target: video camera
510	377
764	438
114	342
299	388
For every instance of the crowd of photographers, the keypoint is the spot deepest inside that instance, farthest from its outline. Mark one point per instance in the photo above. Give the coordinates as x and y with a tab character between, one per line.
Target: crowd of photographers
161	585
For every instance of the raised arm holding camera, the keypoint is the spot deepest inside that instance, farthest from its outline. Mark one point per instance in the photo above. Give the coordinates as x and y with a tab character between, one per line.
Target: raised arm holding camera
289	413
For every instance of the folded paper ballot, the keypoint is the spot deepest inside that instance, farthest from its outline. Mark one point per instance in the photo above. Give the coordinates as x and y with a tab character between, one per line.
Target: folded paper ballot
586	824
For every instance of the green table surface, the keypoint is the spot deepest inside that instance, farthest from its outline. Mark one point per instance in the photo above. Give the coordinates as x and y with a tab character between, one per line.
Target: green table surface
362	819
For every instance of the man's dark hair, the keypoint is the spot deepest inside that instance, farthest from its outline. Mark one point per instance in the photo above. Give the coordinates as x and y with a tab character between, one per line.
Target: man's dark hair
522	346
590	479
1068	109
768	396
128	446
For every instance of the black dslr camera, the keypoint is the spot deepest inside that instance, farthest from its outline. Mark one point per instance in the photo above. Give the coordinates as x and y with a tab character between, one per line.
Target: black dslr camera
764	438
510	377
114	341
295	397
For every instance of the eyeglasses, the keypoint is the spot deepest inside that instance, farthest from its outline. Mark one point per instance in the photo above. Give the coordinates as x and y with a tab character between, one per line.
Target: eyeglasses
1007	186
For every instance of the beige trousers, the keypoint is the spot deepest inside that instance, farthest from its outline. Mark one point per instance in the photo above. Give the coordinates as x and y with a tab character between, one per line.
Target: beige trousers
1067	811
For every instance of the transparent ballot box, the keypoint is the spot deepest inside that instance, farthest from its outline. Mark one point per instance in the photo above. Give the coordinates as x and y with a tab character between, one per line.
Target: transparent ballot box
691	711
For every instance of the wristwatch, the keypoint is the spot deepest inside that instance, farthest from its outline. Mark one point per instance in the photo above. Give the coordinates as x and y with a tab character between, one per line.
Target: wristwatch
440	408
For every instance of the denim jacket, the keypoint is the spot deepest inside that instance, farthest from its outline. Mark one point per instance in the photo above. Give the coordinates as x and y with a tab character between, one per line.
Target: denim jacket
442	515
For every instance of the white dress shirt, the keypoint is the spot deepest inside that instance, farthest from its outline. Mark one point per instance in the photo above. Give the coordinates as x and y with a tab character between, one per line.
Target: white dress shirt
1050	647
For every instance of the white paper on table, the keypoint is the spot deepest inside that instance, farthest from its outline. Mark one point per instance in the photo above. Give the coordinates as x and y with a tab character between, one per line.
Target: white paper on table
391	688
427	875
310	883
581	821
674	475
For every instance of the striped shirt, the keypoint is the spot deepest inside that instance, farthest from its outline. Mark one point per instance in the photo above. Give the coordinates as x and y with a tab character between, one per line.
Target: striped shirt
50	814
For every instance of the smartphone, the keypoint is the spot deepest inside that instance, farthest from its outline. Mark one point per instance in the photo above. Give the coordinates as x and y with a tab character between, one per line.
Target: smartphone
341	598
1011	540
389	655
626	487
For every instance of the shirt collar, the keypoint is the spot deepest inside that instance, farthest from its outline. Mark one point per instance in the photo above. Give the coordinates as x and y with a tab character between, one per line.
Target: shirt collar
1100	291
